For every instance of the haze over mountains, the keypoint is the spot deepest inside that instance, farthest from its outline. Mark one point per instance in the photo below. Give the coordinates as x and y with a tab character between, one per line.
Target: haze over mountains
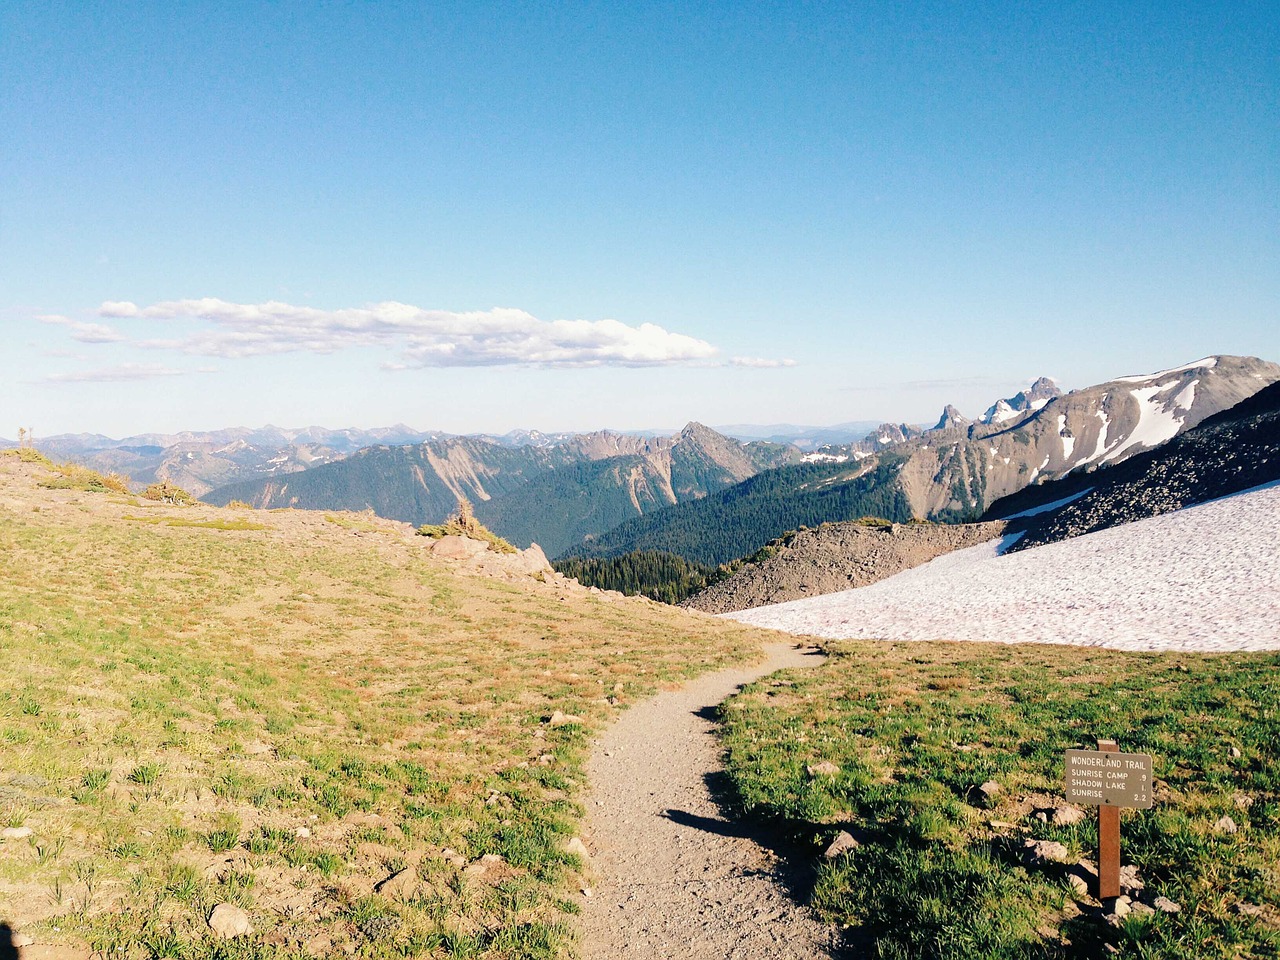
697	493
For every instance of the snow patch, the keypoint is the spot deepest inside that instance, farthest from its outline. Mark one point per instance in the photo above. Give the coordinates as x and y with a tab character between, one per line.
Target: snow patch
1186	396
1156	423
1045	508
1068	441
1206	363
1101	448
823	458
1203	578
1001	413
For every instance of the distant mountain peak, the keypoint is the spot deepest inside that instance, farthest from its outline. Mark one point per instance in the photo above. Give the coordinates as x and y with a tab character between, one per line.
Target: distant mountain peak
1040	393
693	430
952	419
890	433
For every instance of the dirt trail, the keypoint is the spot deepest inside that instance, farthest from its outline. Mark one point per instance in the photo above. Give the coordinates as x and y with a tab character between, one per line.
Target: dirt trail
673	878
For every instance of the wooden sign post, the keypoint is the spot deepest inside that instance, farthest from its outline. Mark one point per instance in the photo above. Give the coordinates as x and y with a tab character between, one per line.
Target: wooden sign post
1110	780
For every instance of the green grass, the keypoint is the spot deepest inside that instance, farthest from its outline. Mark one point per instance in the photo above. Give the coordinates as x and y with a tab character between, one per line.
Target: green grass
199	524
914	727
285	717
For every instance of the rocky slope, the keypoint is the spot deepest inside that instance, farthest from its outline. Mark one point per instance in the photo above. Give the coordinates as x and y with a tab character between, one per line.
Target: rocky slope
1232	451
553	495
834	557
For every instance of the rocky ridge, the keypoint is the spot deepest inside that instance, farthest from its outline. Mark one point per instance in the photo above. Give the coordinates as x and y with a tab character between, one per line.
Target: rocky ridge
835	557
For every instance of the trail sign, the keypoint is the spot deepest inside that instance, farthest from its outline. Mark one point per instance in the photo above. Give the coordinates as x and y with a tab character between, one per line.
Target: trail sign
1110	780
1107	779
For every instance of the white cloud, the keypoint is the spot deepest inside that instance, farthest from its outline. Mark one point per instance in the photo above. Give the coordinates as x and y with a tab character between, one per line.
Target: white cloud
117	374
760	363
424	338
85	332
94	333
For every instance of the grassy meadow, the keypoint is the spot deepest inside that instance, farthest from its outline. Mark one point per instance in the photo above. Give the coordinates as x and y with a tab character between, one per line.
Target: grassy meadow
283	710
914	727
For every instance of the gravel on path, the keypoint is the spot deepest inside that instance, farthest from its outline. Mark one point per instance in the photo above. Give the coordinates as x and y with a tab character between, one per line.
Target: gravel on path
672	877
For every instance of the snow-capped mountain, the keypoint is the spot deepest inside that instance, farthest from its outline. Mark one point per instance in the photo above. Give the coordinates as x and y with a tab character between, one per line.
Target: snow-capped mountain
955	476
1021	404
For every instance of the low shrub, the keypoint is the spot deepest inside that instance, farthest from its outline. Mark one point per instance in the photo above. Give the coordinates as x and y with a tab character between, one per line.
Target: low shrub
166	492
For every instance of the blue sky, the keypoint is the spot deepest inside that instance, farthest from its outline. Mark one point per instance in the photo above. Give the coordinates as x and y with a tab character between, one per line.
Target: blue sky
482	216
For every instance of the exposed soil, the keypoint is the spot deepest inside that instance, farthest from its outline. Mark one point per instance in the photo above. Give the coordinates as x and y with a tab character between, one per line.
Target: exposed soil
673	877
835	557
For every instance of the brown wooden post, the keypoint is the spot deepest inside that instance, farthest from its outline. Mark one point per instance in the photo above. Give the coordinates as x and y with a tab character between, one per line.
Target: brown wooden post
1108	841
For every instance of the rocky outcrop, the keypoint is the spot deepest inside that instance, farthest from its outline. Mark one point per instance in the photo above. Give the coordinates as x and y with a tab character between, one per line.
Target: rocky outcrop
835	557
479	557
1022	404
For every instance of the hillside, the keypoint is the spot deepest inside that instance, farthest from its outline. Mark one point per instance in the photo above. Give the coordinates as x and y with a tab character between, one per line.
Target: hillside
1234	450
553	495
954	472
957	472
834	557
309	717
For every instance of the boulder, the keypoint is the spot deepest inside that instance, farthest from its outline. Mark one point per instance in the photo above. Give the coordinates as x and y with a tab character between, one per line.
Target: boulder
1064	815
985	795
1130	882
824	769
531	561
843	843
1039	852
1225	825
458	548
228	921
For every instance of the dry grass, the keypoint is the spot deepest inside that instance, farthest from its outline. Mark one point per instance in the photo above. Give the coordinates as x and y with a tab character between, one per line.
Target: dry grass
285	717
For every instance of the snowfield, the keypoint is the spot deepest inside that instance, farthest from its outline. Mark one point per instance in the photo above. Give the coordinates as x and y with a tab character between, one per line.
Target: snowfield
1203	578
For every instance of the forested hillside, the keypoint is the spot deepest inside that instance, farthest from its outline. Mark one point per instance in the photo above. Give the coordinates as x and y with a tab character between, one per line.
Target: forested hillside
649	573
732	523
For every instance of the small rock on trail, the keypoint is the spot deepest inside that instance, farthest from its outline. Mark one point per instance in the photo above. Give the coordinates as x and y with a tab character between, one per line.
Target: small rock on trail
673	878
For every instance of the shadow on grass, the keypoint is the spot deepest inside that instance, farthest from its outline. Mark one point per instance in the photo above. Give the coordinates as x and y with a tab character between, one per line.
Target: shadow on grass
795	868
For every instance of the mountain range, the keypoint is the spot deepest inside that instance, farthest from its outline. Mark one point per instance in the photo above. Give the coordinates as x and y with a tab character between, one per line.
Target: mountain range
554	495
698	493
953	472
